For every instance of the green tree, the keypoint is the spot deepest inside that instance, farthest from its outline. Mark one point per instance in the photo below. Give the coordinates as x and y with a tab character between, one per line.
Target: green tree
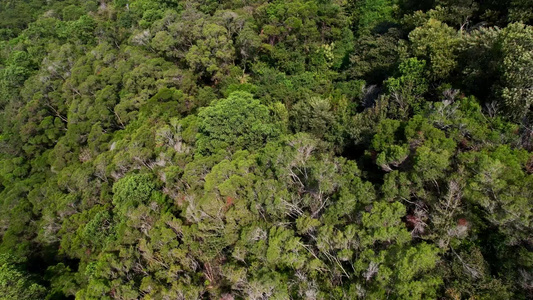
15	284
407	90
436	43
237	122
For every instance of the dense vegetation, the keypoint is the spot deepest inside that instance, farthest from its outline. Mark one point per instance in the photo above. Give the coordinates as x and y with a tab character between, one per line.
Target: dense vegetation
253	149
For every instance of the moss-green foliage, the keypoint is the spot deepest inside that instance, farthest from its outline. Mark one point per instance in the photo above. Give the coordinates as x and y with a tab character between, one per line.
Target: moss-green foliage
15	284
238	122
296	149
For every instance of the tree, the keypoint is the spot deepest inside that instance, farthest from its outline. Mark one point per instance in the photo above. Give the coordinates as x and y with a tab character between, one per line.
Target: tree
436	43
133	190
212	52
15	284
237	122
407	89
504	58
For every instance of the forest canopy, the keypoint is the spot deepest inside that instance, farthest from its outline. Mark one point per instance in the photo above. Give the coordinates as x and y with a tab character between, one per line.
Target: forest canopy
286	149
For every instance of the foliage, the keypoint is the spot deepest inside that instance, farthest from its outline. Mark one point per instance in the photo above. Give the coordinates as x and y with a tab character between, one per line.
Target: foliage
297	149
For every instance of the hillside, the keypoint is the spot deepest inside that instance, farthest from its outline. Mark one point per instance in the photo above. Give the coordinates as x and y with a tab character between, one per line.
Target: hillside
254	149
